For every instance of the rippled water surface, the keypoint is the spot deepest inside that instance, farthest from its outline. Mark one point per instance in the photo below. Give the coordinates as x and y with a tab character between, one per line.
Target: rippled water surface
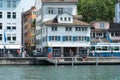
21	72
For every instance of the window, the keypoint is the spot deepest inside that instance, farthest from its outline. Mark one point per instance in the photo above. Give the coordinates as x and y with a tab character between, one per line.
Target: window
14	15
102	24
8	27
84	28
65	19
60	10
68	28
0	36
0	3
54	38
119	14
50	10
14	4
80	38
68	38
8	15
54	28
78	28
9	37
119	5
14	37
0	14
69	19
61	18
0	25
13	27
69	10
83	38
9	4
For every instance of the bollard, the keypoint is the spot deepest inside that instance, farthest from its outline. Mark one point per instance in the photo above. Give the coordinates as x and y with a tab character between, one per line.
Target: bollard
96	61
72	62
56	61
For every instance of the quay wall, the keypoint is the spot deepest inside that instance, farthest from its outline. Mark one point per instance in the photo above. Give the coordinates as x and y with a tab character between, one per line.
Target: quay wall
58	61
18	60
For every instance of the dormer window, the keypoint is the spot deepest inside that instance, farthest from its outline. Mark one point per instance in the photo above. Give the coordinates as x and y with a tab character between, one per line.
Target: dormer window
69	19
65	19
61	18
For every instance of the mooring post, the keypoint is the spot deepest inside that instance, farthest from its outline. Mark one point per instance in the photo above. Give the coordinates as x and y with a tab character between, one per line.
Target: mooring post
97	60
55	61
72	61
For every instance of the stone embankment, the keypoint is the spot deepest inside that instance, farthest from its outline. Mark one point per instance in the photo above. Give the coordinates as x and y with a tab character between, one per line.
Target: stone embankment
60	61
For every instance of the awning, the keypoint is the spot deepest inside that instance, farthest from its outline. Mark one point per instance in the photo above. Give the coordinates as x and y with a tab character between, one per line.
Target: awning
13	46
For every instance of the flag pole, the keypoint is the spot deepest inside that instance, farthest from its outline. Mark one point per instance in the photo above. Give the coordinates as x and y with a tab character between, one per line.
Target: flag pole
4	41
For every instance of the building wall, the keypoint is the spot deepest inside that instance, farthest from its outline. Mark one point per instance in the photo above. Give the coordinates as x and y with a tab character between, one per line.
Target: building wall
42	17
61	32
101	25
11	22
20	7
29	28
117	12
47	17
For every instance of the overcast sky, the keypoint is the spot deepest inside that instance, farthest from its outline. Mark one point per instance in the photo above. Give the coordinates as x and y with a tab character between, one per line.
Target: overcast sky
27	4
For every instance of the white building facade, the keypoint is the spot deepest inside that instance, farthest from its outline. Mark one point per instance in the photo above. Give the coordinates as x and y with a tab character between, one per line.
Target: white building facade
62	31
117	11
11	25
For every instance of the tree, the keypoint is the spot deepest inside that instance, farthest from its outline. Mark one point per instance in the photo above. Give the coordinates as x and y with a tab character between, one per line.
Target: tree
92	10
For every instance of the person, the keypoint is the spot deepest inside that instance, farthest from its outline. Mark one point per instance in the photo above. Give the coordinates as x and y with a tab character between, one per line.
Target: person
18	52
93	53
112	53
26	55
9	54
71	53
50	55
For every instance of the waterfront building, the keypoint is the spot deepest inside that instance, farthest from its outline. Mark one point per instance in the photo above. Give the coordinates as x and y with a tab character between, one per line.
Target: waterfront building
105	38
29	20
62	31
10	25
117	11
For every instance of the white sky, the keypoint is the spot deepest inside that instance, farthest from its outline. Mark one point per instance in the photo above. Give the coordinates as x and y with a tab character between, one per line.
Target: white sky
27	4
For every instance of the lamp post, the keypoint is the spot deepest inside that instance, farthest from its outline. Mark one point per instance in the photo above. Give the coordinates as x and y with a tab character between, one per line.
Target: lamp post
23	43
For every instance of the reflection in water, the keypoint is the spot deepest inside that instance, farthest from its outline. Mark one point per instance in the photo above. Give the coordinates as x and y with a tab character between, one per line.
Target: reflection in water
29	72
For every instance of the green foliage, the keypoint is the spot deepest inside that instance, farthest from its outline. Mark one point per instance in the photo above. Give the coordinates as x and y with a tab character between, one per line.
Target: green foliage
92	10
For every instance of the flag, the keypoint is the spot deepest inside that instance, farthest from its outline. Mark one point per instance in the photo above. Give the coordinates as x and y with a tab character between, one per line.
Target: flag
4	37
108	37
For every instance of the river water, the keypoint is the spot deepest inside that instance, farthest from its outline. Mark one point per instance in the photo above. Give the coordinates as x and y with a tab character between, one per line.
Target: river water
81	72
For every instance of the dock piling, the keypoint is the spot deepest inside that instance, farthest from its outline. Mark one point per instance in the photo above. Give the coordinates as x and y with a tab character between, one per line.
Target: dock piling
96	61
72	61
56	61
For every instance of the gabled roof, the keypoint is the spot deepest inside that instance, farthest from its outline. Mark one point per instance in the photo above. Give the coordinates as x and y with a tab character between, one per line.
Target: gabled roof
59	0
112	28
74	16
76	22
